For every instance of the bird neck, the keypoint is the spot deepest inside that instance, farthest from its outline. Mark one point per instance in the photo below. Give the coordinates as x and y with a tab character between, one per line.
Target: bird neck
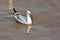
28	17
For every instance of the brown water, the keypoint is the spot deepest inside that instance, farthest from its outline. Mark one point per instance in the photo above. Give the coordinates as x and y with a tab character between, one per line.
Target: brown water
45	15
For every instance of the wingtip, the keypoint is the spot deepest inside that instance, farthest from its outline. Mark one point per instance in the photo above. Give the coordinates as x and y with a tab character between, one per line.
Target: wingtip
14	10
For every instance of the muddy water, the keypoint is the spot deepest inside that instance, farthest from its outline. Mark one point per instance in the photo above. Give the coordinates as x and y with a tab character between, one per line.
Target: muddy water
45	15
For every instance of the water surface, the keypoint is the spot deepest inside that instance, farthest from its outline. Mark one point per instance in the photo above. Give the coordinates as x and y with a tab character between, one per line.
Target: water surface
45	15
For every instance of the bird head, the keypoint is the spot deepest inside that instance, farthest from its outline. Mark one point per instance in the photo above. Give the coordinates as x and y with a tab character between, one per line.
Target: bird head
28	12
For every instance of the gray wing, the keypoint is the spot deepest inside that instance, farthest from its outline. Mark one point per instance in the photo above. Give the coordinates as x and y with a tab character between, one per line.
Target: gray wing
21	19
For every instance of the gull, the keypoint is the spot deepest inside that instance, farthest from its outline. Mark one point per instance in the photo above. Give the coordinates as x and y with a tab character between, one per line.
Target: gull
24	19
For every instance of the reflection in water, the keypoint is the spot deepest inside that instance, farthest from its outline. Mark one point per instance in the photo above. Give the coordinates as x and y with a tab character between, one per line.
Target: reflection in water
18	25
10	4
28	29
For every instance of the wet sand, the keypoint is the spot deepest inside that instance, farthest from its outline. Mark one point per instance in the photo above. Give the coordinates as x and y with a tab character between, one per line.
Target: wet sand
45	15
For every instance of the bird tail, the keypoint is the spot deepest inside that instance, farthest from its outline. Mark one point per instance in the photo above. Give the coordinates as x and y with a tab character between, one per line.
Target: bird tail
14	10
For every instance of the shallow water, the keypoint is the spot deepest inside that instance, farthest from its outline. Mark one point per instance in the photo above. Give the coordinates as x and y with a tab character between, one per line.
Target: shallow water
45	15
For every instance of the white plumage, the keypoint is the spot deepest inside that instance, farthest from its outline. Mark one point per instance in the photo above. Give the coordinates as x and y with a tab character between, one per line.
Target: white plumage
23	19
